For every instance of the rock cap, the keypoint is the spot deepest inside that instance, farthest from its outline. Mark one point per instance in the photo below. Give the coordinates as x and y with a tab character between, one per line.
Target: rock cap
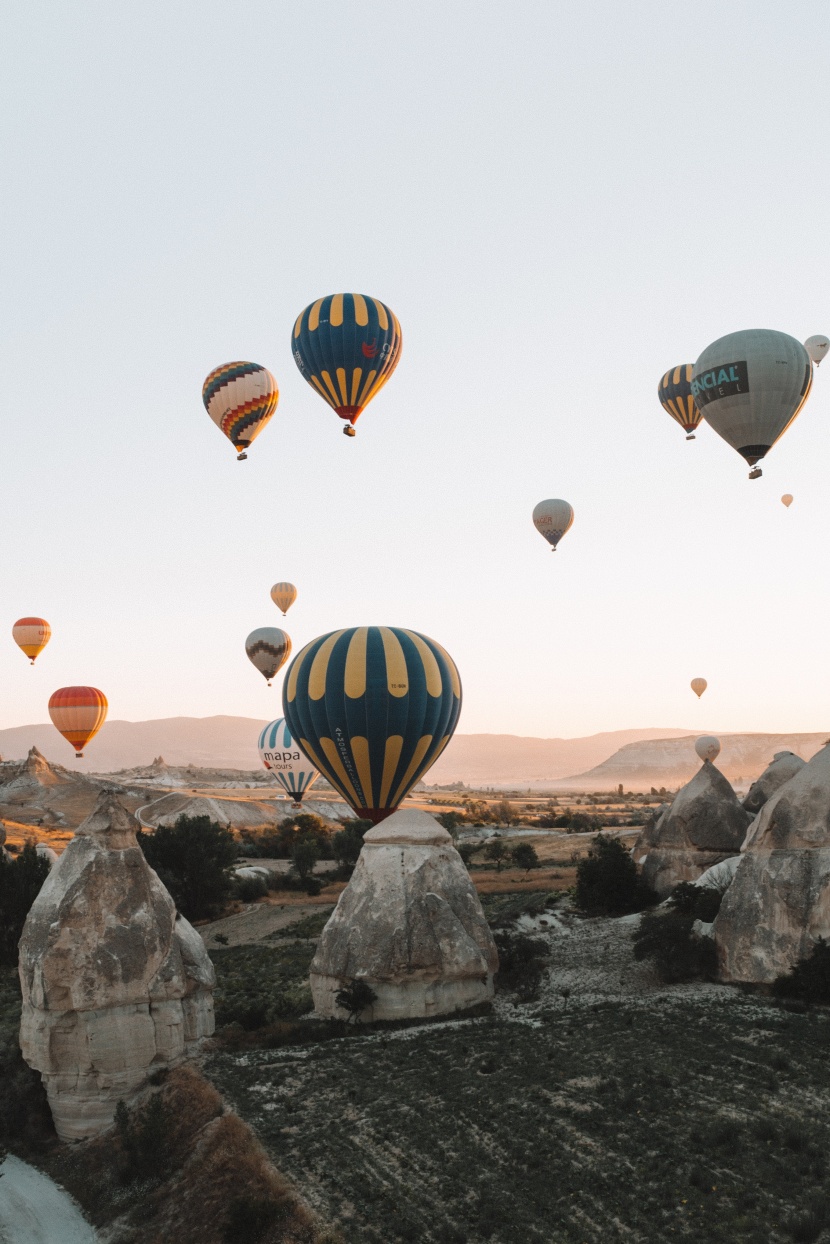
408	827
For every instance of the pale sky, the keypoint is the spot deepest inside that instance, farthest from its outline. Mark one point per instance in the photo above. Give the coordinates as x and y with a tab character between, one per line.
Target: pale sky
559	201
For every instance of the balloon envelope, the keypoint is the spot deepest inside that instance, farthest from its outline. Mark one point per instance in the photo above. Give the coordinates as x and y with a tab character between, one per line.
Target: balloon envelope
675	394
240	399
280	754
817	347
750	386
78	713
372	707
552	519
708	747
268	648
699	685
787	499
283	595
31	635
346	347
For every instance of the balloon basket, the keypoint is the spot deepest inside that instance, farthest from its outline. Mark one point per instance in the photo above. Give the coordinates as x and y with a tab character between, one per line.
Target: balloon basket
349	430
756	473
690	437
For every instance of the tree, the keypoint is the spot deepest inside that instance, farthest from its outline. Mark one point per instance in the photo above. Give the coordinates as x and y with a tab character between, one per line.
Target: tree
304	855
20	882
504	813
497	852
348	842
193	859
355	998
450	821
524	856
607	881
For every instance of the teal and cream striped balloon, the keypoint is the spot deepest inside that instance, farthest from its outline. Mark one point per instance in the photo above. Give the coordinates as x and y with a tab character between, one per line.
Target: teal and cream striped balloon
280	754
372	707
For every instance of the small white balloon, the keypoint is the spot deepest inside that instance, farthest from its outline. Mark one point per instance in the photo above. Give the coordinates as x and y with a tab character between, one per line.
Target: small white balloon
708	747
552	518
817	347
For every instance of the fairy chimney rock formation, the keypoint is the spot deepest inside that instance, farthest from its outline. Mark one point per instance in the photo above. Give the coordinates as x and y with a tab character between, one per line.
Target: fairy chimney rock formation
778	906
704	825
409	924
115	984
782	767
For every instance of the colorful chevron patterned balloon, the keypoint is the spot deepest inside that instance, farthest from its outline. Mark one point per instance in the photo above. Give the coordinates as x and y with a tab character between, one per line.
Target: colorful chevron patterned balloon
240	399
268	648
675	394
372	707
31	635
78	713
347	346
280	754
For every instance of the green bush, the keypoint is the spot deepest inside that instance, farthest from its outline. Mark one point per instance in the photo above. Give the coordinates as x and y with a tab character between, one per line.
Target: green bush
524	856
143	1140
699	902
607	881
521	963
278	843
20	882
304	855
810	979
347	842
249	889
666	938
496	851
355	998
193	859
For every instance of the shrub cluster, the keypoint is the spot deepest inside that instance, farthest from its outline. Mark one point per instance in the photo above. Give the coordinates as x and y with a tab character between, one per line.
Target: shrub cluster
810	979
193	859
667	938
608	883
279	842
521	963
20	882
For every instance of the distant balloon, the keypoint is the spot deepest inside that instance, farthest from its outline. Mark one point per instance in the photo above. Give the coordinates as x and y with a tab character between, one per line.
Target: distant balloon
675	394
240	399
78	713
372	707
346	347
283	595
268	648
279	752
699	685
787	499
31	635
708	747
750	386
817	347
552	519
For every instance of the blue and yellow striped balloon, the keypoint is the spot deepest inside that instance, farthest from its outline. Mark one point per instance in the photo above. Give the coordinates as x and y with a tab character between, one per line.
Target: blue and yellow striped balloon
675	394
347	346
372	707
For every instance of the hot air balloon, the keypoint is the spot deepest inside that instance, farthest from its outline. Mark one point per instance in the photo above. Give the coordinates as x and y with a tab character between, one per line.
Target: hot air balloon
817	347
675	394
280	754
268	648
78	713
346	347
31	635
552	519
750	386
372	707
240	399
708	748
283	595
699	685
787	499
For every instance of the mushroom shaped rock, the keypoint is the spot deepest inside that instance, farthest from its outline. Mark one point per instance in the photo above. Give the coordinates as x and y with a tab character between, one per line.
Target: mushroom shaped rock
409	924
704	825
782	767
778	905
115	985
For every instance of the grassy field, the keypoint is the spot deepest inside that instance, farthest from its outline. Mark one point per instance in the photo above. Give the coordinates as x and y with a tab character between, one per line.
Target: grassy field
611	1109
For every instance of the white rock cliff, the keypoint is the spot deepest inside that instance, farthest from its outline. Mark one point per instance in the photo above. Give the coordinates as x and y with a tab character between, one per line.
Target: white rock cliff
115	984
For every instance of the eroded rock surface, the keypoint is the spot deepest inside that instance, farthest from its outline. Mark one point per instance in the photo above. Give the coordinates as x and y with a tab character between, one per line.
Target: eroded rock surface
409	924
782	767
115	984
704	825
778	905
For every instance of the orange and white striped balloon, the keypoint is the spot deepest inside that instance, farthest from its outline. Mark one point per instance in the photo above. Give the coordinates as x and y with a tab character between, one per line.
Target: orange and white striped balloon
78	713
283	595
31	635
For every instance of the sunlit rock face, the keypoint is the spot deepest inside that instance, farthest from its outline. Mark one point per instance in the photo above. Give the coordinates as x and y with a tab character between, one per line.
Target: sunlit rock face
115	984
410	925
778	906
704	825
782	767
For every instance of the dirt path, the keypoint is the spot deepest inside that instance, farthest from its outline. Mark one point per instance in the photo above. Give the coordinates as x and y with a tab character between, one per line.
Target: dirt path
256	924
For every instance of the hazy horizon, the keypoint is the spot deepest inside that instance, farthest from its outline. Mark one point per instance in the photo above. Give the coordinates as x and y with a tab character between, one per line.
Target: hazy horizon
559	203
